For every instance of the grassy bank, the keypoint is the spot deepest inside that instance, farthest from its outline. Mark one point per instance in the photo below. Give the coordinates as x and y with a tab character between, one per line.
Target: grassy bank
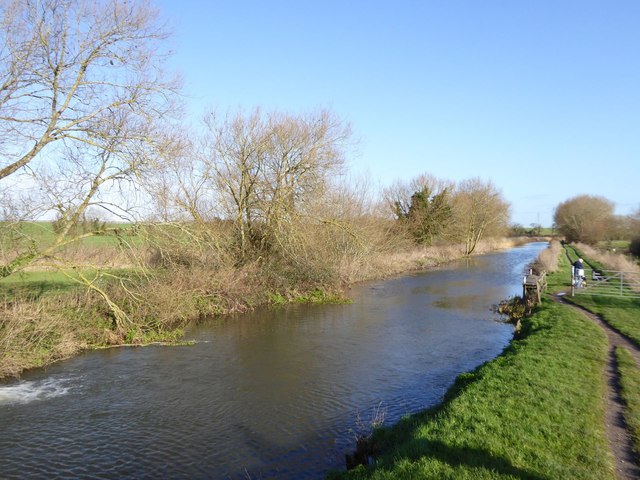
619	312
535	412
630	391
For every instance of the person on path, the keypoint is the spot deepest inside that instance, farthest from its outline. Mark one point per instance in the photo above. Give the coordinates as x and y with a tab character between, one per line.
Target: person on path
578	273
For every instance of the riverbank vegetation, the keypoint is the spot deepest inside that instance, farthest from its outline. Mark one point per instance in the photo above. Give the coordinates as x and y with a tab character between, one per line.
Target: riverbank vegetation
151	225
534	412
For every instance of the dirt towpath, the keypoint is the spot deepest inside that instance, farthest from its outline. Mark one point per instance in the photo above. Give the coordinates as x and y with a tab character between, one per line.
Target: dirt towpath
616	428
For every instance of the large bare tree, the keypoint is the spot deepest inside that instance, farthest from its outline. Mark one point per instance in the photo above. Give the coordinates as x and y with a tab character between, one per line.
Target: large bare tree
479	211
68	68
266	167
585	218
82	97
83	103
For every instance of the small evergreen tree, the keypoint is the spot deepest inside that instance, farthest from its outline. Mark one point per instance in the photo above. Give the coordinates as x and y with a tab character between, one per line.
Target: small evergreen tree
427	214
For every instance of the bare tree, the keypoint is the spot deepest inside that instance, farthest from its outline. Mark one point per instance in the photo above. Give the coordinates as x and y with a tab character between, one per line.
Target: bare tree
82	96
83	99
584	218
479	211
265	168
233	158
68	67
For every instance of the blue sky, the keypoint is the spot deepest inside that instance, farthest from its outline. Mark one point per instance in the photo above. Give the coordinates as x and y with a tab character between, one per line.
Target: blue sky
541	97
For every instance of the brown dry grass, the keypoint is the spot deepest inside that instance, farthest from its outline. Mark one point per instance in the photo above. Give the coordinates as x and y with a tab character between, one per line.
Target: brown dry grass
408	257
612	261
201	285
34	334
547	260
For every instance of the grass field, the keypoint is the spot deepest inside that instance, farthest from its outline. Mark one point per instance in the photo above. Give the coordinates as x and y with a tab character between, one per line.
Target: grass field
35	284
42	233
621	313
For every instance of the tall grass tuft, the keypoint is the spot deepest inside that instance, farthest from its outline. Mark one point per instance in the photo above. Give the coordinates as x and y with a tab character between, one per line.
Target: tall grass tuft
33	334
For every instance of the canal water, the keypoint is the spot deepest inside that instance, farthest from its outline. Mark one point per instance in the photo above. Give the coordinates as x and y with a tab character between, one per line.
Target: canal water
278	393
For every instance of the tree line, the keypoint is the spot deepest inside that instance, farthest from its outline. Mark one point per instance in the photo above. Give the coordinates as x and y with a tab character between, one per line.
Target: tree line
91	128
591	219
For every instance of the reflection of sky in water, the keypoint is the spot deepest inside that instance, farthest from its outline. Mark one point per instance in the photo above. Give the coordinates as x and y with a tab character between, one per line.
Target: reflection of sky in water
272	394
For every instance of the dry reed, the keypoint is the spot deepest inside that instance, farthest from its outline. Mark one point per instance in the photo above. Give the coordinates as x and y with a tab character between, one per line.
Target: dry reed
34	334
547	260
610	260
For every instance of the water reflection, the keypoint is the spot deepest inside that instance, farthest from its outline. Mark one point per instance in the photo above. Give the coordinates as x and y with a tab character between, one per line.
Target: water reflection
273	394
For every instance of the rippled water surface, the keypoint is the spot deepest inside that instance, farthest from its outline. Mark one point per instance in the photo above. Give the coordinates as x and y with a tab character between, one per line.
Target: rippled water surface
275	394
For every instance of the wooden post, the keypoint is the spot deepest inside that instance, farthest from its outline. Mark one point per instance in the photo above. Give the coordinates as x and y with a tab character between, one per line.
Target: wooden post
539	289
573	280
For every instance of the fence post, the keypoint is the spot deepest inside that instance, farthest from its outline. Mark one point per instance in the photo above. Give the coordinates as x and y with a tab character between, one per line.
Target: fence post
573	280
621	284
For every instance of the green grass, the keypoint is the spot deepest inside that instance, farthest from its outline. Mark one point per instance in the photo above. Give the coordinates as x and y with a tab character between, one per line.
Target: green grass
42	234
630	386
622	313
535	412
35	284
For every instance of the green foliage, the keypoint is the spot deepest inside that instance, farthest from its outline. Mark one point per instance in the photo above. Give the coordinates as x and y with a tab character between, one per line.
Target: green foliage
427	216
316	295
630	391
634	247
277	299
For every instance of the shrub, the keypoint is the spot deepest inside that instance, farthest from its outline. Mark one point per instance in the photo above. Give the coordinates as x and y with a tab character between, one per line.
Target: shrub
634	247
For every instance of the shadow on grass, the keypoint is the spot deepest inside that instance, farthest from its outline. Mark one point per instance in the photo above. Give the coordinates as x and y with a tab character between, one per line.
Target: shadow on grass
472	458
404	442
34	290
